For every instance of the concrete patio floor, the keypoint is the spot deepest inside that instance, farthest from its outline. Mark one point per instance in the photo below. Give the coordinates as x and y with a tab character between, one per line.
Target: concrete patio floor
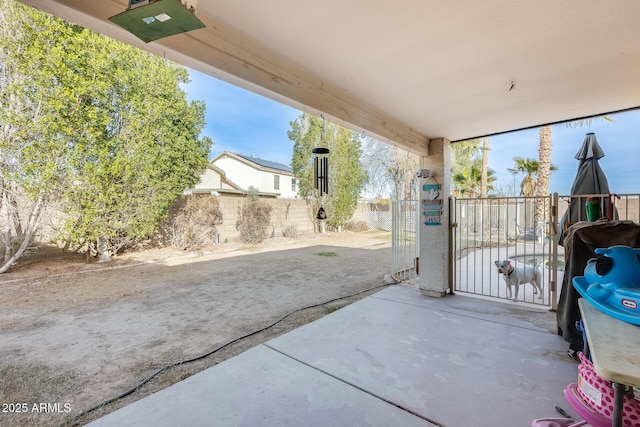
395	358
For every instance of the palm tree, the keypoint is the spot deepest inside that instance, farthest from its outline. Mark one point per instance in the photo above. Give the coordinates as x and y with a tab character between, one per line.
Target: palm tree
468	181
544	161
545	166
485	167
529	167
464	152
544	172
466	155
544	151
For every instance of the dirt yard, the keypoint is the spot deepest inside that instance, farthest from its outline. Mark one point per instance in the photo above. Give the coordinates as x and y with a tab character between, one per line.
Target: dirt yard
74	335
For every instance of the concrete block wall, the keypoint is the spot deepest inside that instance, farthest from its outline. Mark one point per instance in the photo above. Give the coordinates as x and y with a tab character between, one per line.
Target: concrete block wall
285	212
360	214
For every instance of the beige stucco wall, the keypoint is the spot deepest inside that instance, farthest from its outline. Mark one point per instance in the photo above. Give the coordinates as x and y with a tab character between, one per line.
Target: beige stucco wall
209	179
628	207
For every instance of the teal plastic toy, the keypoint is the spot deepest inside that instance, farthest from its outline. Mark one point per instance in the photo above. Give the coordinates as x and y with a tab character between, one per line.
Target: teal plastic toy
611	282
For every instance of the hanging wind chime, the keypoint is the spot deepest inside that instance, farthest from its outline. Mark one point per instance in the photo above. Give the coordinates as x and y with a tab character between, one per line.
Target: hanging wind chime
321	171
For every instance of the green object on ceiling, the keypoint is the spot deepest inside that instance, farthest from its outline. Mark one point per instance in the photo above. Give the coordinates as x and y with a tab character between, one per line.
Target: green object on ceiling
157	20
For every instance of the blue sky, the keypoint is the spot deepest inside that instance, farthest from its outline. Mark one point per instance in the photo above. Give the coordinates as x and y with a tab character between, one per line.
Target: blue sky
243	122
620	142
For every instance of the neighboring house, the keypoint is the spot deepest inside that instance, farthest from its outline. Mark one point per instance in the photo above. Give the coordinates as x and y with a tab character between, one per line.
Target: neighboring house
214	180
235	173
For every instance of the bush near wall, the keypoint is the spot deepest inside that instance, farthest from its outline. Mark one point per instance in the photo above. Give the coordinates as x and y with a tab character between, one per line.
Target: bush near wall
194	226
254	220
288	216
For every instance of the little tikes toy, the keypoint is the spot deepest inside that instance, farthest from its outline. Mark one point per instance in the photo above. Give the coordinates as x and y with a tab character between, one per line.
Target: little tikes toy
611	282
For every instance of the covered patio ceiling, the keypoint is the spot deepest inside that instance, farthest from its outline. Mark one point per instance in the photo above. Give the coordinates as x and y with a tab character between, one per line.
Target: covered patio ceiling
406	71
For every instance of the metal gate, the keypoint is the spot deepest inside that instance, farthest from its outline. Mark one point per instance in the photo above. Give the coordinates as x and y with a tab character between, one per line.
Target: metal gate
486	230
520	229
525	230
405	243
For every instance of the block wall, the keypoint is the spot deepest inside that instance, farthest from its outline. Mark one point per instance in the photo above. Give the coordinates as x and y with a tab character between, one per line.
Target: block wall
286	212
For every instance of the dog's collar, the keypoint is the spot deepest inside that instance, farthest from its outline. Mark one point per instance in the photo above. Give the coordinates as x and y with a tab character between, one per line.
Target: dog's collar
509	270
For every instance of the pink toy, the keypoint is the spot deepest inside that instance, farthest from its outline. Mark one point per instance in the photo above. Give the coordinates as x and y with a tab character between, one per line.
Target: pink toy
598	394
583	409
557	422
592	398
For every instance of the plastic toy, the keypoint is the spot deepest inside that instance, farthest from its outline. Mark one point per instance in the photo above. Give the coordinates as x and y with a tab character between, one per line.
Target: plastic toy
611	283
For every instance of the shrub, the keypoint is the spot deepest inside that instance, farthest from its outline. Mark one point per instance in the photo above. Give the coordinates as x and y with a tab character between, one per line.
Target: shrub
253	220
356	226
290	230
194	227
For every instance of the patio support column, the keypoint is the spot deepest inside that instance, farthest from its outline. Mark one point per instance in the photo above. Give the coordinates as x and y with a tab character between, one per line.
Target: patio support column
434	236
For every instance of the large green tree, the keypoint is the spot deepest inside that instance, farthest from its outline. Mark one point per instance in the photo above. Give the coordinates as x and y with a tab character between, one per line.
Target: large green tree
41	116
148	153
98	126
347	176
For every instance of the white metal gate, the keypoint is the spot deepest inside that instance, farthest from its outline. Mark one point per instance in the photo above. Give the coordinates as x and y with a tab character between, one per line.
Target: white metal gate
405	245
486	230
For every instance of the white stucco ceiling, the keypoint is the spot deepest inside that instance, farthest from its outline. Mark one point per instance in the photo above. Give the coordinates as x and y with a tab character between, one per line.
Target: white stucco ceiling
407	71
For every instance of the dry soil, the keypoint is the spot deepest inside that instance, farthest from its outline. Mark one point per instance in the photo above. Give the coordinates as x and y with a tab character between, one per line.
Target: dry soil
74	335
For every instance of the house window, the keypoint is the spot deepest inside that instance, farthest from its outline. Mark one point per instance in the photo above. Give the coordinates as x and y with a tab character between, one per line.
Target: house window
293	184
276	182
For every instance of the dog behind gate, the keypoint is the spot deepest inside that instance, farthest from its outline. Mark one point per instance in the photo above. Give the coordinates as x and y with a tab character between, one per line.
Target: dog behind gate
516	275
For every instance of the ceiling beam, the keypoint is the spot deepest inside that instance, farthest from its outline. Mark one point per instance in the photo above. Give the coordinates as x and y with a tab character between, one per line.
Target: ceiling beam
226	54
285	82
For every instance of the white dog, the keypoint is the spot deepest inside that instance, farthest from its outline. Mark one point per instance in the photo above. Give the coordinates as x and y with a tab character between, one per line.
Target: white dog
516	275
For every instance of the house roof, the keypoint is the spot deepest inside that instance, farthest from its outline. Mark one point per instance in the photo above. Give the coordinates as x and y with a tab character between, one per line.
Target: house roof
267	163
257	162
227	191
407	71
